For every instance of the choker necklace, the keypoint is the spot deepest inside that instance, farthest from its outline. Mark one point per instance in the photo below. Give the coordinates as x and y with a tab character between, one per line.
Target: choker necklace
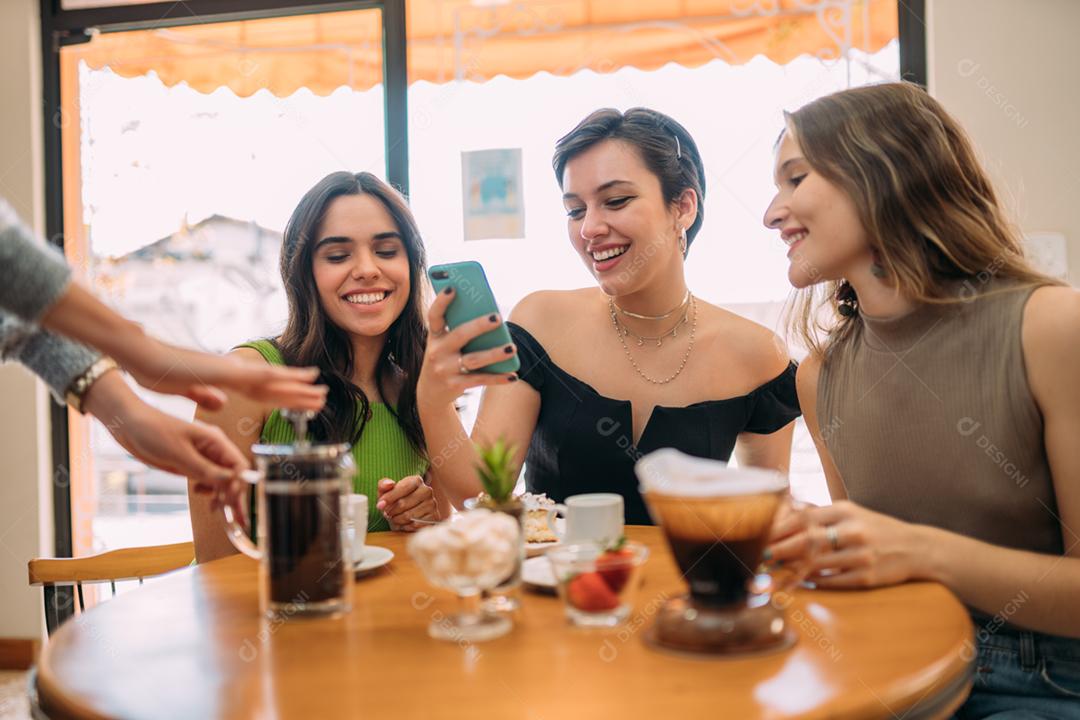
666	315
626	350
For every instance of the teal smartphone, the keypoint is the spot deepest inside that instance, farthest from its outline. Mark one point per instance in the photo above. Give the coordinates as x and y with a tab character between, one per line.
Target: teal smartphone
472	299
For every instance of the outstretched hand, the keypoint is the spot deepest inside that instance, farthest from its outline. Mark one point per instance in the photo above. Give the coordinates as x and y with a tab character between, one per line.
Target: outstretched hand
199	451
202	377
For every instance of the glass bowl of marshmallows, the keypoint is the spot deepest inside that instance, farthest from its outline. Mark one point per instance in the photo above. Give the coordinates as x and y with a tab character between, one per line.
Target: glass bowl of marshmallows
471	553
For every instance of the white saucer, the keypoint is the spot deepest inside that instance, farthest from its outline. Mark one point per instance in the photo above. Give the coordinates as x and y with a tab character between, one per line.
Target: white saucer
374	557
538	549
537	574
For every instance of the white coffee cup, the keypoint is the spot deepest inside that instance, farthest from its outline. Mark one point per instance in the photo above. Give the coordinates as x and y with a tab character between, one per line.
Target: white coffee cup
358	520
592	517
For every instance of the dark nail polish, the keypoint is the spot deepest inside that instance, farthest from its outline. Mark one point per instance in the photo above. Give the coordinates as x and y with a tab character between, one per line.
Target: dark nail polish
493	318
448	290
508	349
512	378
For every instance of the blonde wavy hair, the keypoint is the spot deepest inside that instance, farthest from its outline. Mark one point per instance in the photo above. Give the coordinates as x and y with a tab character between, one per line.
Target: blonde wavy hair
927	206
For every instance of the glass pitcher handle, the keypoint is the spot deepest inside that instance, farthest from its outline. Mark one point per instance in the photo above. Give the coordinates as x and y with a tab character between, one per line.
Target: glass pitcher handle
233	529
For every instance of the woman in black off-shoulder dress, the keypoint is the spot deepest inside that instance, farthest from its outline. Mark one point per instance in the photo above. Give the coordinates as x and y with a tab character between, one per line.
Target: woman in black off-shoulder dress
636	363
582	440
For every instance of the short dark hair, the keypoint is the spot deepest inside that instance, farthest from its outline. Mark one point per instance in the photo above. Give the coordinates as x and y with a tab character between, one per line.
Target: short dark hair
665	146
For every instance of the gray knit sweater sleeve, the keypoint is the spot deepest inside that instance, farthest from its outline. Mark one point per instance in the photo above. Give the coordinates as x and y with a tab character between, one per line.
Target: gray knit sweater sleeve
34	276
31	279
56	360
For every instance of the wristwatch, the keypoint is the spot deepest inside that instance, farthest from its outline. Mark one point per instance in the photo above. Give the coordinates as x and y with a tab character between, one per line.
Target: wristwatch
80	385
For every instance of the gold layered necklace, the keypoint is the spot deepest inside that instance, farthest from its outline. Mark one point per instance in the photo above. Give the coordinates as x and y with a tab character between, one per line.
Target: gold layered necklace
657	340
622	331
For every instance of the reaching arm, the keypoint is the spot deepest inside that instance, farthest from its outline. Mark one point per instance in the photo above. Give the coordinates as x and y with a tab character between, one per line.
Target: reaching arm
169	369
34	275
806	383
241	420
508	410
766	355
772	451
150	435
56	360
160	440
38	288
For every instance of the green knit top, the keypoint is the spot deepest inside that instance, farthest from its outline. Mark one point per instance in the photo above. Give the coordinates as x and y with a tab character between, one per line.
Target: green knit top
383	451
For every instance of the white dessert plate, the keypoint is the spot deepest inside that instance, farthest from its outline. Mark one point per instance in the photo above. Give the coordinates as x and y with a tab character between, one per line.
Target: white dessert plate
537	574
374	557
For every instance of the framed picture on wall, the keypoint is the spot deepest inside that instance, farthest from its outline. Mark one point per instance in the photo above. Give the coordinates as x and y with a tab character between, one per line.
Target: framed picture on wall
493	199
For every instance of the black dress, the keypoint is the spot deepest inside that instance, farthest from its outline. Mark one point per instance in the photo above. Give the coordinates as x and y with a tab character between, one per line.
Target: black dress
583	441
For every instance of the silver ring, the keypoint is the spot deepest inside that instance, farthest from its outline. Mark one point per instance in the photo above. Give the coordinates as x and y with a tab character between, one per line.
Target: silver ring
833	536
461	365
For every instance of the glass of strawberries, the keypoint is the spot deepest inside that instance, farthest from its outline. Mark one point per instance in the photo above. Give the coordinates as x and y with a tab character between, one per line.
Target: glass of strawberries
597	581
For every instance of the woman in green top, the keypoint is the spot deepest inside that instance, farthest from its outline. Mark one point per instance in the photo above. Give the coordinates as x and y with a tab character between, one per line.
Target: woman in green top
352	262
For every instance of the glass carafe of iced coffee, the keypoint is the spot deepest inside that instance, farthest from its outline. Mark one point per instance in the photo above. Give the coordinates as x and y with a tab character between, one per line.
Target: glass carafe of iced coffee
305	563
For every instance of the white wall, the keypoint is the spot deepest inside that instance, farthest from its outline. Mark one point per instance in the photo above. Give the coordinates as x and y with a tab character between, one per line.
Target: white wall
1007	71
25	491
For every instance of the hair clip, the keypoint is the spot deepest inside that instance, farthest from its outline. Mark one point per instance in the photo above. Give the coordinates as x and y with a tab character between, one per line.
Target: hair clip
678	148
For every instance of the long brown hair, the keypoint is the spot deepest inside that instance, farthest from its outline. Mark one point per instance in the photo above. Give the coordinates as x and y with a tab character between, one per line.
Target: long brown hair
928	208
311	339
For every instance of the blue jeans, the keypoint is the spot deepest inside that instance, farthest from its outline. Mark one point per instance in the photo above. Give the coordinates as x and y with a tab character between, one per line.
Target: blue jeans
1022	675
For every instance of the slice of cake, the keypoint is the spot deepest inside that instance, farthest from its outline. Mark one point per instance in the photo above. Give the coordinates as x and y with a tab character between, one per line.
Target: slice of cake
536	512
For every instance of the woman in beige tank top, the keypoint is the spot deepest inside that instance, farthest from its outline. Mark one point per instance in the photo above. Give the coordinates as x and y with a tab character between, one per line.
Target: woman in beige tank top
942	387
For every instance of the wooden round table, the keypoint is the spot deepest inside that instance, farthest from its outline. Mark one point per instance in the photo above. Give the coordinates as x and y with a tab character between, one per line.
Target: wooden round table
193	645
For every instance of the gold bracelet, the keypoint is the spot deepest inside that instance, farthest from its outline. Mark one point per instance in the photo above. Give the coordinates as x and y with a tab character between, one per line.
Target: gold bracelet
82	384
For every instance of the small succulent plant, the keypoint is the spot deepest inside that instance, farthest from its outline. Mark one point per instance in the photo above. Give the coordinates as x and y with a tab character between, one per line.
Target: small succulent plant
497	470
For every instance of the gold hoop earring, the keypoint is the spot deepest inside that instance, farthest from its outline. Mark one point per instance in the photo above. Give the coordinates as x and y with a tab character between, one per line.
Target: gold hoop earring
684	245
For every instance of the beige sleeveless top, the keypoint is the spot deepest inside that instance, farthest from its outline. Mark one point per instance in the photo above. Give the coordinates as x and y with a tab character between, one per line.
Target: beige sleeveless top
929	419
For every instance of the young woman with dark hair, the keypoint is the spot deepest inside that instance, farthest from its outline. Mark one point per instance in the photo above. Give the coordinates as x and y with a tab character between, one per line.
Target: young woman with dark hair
941	389
353	264
634	363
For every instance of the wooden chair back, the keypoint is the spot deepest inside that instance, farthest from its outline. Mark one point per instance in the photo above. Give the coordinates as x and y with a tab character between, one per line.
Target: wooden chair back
113	566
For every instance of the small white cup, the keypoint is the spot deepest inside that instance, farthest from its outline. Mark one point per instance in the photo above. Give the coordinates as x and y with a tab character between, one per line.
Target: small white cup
593	517
358	520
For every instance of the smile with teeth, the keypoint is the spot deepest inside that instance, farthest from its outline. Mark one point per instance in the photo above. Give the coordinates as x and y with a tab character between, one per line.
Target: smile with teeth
609	253
367	298
793	238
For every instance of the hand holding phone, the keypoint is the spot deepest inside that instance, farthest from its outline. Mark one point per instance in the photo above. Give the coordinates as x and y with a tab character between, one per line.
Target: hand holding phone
468	345
473	300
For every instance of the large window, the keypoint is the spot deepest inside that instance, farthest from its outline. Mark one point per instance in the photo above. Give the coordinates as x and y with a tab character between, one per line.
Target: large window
177	203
